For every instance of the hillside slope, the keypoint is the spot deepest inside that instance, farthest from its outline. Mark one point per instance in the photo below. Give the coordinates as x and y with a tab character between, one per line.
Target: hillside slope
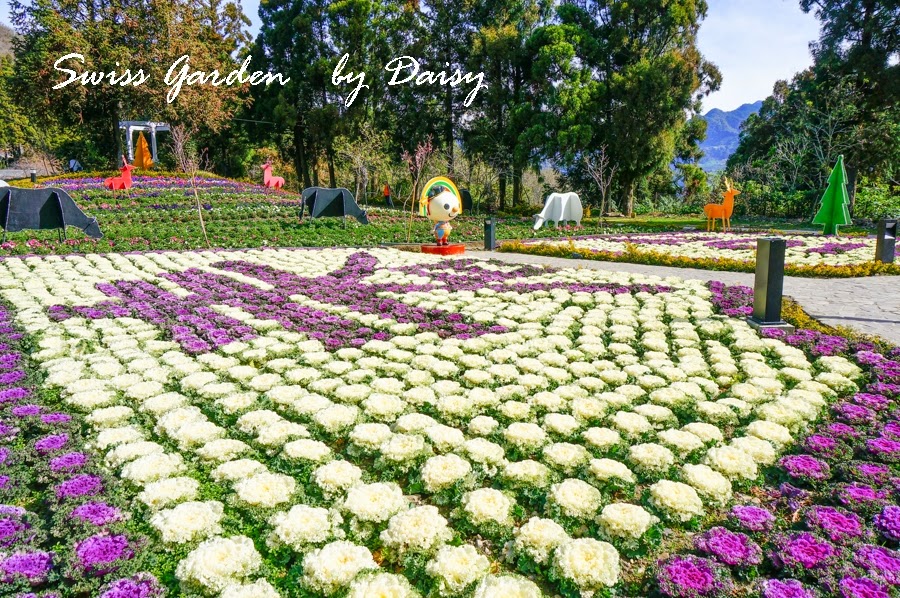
6	37
722	132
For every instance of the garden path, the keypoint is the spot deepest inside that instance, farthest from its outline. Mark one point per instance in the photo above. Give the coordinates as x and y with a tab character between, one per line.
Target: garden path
870	305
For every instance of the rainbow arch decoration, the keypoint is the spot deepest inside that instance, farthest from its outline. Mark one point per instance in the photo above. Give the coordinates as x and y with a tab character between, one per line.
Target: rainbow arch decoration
438	181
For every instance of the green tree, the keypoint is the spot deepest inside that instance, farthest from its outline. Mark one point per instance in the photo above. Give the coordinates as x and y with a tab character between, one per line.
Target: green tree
627	75
833	210
114	35
504	124
15	128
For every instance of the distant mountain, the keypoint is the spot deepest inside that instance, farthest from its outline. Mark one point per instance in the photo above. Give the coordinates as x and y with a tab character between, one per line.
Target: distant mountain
722	132
6	37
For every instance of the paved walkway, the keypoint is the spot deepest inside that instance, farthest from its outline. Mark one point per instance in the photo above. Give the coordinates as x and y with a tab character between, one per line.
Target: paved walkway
870	305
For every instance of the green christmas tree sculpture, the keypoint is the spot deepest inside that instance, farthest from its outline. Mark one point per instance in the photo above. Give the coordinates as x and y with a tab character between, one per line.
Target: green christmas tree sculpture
833	212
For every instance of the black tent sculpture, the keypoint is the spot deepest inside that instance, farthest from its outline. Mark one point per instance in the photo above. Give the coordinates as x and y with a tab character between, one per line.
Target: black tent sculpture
43	209
321	202
466	200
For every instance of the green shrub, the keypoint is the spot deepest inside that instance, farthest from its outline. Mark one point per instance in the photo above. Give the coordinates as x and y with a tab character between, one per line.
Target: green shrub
876	202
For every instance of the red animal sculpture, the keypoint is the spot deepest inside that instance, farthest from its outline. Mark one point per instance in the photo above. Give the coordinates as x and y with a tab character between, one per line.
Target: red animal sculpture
123	182
272	182
723	210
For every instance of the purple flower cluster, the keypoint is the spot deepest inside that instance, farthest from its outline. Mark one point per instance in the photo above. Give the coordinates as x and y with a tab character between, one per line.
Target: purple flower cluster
784	588
38	553
198	328
836	248
141	585
691	577
751	518
734	300
836	524
730	548
805	468
102	553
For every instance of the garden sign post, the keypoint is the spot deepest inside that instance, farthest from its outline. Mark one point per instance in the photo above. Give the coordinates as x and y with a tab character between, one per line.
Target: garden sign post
769	285
833	211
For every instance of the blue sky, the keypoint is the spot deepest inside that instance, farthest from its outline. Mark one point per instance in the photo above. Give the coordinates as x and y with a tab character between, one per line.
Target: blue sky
754	42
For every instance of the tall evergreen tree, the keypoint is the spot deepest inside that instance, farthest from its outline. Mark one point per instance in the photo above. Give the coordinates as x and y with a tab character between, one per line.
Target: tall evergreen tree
631	73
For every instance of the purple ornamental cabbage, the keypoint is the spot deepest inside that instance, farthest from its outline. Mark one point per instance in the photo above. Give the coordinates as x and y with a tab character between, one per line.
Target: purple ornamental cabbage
731	548
687	576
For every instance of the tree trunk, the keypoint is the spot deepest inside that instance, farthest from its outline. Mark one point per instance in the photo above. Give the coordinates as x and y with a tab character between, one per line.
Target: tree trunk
448	128
315	173
628	199
330	154
517	186
300	163
502	205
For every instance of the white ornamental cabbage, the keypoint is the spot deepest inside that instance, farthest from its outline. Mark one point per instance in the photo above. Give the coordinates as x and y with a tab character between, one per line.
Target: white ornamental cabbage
488	506
441	472
304	526
625	521
507	586
732	462
382	584
455	568
219	562
335	477
374	502
709	483
590	564
678	501
335	565
258	589
188	521
266	490
576	498
538	537
420	529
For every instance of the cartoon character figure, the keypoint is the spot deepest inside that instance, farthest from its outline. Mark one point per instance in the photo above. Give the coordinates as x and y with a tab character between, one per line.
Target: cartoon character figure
440	203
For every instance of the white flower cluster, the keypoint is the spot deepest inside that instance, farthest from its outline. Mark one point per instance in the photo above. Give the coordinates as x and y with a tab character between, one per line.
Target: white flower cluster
583	391
708	246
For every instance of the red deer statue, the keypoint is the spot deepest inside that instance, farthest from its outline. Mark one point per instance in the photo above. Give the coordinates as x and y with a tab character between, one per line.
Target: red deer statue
120	183
272	182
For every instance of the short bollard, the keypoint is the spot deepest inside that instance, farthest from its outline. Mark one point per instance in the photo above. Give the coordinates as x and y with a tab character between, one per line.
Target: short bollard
886	242
490	234
33	176
769	285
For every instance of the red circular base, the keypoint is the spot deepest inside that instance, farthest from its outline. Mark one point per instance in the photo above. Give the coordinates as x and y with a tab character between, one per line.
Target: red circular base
454	249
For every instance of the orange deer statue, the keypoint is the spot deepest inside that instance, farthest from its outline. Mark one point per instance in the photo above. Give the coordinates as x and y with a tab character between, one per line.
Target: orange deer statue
723	210
120	183
272	182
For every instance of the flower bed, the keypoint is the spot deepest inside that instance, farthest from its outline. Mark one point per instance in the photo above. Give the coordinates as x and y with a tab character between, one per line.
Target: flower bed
806	255
338	421
832	527
160	213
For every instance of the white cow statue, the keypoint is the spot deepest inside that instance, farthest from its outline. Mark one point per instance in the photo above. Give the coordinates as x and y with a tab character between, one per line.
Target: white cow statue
3	184
560	207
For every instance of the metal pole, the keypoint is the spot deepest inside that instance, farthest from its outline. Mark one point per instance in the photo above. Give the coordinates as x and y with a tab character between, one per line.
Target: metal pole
769	285
153	142
886	242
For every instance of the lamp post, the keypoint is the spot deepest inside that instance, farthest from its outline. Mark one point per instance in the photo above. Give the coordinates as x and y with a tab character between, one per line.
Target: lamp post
886	242
490	234
768	285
